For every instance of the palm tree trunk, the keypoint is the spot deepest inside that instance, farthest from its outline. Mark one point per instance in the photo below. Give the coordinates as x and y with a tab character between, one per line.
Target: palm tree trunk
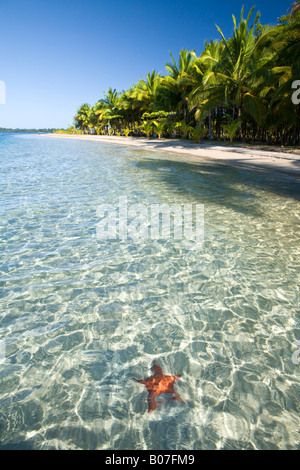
184	114
240	122
210	132
184	107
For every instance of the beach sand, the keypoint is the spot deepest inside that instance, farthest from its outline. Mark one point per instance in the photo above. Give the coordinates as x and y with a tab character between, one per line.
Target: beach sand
288	163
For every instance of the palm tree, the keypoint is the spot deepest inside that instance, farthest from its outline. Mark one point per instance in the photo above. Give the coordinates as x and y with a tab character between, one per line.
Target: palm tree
128	107
234	76
82	117
147	127
208	92
241	85
111	98
289	37
108	108
285	40
295	8
160	127
144	91
184	67
180	80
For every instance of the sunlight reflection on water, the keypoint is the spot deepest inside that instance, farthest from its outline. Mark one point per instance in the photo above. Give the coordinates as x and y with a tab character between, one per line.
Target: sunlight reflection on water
81	317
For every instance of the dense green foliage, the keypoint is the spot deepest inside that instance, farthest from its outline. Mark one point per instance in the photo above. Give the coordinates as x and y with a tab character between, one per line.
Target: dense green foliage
237	88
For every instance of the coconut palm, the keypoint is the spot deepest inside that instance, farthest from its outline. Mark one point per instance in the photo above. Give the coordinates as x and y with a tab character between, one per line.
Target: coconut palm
147	127
180	80
241	67
241	85
108	110
111	98
82	117
183	68
144	91
283	115
208	92
295	8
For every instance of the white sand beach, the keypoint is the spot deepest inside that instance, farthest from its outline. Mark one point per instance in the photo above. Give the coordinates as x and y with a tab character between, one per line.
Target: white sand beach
248	157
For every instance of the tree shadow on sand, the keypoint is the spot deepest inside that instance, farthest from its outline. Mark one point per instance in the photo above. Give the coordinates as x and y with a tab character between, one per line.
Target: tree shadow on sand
221	184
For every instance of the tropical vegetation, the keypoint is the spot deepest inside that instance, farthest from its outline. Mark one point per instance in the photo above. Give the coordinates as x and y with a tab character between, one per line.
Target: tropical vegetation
238	88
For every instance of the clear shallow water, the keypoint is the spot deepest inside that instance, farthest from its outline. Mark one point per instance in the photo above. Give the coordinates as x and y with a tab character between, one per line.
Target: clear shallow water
80	318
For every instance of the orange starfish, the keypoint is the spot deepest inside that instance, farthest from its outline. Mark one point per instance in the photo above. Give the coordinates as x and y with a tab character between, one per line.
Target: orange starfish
157	384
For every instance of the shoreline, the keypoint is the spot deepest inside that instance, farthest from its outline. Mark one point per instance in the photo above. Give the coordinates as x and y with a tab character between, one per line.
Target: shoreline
251	158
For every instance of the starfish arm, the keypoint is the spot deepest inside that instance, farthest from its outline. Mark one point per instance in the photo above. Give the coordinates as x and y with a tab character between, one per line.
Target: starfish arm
156	368
152	404
177	397
139	381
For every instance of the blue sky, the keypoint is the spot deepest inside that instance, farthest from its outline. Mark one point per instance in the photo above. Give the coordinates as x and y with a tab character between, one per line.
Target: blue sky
56	55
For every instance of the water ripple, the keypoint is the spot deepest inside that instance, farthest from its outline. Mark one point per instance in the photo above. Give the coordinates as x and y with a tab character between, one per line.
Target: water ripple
81	318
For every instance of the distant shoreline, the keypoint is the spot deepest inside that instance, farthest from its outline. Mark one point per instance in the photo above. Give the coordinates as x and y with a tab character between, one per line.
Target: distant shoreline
288	163
46	130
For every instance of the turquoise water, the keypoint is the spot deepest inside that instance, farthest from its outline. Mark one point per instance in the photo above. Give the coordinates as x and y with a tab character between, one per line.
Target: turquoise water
80	318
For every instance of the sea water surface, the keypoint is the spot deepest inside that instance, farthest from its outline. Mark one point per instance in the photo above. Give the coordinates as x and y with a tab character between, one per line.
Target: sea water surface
81	317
